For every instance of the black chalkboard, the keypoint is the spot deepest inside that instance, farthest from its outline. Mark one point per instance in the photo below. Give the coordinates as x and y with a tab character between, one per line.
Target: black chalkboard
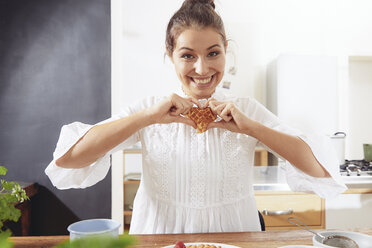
54	69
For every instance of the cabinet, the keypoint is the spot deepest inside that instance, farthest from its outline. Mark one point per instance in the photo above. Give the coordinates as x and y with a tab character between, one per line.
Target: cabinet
277	206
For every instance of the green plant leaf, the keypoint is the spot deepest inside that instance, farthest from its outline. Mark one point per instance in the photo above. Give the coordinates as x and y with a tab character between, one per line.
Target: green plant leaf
8	186
3	171
4	241
10	194
99	242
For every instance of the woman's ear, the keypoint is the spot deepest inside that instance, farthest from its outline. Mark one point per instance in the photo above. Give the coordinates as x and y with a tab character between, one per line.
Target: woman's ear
169	54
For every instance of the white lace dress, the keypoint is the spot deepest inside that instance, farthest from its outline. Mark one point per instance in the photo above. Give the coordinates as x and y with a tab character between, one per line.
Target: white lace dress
192	182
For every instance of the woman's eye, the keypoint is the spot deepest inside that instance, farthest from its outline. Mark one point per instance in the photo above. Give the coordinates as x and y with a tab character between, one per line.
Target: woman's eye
213	54
187	56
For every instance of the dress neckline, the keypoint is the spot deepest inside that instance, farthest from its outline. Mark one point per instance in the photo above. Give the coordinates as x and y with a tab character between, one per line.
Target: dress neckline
217	94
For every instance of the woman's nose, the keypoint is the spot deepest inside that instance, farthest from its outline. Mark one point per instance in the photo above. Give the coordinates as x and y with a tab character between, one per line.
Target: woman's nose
201	66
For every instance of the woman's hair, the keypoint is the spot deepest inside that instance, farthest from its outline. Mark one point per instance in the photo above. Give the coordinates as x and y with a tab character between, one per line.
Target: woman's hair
193	14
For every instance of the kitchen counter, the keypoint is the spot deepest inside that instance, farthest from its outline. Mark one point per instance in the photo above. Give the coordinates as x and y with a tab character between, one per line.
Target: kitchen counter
273	178
244	239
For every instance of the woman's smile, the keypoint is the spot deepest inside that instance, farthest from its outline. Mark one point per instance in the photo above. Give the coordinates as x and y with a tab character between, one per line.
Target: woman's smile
203	82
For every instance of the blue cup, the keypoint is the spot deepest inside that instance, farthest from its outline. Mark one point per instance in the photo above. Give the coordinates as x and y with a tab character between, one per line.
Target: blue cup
94	227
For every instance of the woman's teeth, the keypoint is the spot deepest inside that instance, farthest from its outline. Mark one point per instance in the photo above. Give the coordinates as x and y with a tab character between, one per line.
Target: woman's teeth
202	81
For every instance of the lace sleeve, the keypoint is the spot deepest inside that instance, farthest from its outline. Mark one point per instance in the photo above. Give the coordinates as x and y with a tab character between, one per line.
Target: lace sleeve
321	148
64	178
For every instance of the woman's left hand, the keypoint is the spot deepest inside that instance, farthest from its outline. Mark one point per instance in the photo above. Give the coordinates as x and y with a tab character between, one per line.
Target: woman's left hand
233	119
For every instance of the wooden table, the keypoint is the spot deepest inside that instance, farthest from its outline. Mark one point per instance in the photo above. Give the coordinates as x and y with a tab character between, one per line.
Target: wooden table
268	239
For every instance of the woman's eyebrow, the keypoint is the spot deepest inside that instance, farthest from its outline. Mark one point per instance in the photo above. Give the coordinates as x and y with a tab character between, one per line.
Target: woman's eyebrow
209	48
185	48
190	49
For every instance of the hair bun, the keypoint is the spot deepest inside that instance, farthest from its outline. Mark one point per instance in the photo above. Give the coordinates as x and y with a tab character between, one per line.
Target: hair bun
193	14
190	3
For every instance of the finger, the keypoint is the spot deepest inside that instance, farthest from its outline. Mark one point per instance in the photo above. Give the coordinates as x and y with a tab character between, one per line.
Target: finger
188	105
193	100
210	100
226	114
182	105
213	102
218	108
186	110
176	104
176	109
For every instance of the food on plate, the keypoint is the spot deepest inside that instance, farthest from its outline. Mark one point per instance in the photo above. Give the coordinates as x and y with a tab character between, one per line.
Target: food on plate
202	117
180	244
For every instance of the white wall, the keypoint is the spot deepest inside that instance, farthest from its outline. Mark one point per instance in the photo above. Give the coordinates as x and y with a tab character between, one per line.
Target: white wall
144	70
117	179
260	30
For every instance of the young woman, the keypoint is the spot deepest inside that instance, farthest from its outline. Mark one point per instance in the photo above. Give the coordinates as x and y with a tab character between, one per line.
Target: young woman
194	182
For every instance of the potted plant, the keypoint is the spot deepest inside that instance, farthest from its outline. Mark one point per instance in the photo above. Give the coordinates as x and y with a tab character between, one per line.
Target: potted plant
10	194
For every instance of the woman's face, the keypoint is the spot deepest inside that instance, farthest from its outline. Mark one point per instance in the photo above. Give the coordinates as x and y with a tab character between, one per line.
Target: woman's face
199	60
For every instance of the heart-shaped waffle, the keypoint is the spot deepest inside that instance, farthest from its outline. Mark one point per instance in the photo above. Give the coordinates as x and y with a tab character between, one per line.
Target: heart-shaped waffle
202	117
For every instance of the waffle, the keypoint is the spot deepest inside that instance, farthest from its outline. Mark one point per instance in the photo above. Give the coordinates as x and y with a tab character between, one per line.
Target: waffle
202	117
180	244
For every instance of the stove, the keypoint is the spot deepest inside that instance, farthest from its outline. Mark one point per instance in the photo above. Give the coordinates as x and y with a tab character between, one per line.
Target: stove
356	168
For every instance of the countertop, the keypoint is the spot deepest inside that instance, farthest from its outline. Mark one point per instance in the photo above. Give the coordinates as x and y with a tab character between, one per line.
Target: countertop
273	178
269	239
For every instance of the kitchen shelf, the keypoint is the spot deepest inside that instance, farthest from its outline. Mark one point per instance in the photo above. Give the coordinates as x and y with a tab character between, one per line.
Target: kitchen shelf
261	157
136	182
132	150
129	212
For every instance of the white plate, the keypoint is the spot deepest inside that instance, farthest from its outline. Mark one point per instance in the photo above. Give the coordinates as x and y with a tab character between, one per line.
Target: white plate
298	246
205	243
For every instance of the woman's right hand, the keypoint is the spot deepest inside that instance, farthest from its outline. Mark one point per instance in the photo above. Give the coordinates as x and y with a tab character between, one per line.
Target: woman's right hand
173	109
104	137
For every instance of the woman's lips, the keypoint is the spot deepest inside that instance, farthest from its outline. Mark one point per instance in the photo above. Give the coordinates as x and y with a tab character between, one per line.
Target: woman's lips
203	83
